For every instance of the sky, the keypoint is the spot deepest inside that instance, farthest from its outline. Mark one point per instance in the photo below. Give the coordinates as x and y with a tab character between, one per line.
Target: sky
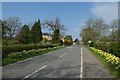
72	14
60	0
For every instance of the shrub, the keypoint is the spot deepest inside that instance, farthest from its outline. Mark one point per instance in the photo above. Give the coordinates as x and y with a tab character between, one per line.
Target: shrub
8	42
45	39
67	43
101	45
114	48
18	56
110	47
92	44
8	49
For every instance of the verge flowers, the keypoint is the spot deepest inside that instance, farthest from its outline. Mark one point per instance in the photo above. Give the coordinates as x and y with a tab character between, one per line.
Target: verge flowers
110	59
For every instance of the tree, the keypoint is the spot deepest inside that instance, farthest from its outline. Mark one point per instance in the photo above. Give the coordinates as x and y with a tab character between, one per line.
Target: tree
94	30
36	33
4	28
45	39
89	34
13	24
56	27
114	30
56	36
68	40
25	34
76	40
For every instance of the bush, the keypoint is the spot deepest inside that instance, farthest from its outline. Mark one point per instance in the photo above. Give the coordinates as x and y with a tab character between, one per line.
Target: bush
8	49
91	44
111	47
101	45
114	48
9	42
18	56
67	43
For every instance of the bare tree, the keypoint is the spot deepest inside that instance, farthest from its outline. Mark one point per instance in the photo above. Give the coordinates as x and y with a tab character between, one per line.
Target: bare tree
94	29
4	28
114	30
14	24
54	25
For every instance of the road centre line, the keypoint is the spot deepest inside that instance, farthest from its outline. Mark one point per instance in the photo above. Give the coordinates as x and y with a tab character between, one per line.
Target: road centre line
30	58
62	55
45	65
70	50
81	68
35	71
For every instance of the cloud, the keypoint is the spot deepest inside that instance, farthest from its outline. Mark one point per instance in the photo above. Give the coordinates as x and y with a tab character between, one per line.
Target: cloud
108	11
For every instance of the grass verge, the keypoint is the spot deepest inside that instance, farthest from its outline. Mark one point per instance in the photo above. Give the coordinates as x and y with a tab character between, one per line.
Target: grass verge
112	69
19	56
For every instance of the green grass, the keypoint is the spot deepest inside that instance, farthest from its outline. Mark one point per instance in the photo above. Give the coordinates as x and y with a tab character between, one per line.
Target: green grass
19	56
110	68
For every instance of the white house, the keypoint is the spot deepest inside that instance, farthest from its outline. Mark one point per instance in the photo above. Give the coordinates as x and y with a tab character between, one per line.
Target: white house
48	36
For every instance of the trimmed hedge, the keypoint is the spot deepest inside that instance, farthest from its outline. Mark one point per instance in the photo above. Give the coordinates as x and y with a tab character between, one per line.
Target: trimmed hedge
19	56
8	49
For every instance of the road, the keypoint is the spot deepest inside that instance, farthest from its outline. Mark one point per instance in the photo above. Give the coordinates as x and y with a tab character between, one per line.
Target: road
69	62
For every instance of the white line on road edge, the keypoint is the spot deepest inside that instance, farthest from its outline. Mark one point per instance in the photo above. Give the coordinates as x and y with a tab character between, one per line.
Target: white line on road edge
34	72
62	55
81	68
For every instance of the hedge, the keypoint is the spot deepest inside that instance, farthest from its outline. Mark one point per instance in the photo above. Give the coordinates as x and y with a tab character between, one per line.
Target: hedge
8	49
110	47
19	56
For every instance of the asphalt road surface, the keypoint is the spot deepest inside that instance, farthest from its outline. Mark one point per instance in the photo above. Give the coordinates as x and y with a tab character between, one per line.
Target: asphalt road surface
69	62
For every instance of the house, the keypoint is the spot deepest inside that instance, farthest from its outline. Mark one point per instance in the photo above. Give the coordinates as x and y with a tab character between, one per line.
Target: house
48	36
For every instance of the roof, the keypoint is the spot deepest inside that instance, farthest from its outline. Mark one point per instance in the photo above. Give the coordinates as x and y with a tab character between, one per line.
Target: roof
46	34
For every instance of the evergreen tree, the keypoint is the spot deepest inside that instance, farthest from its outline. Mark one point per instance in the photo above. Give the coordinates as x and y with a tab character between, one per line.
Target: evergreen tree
36	33
40	30
25	34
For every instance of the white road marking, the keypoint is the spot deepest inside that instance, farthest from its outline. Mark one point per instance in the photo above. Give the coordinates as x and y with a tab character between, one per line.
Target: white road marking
81	68
69	47
70	50
34	72
62	55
